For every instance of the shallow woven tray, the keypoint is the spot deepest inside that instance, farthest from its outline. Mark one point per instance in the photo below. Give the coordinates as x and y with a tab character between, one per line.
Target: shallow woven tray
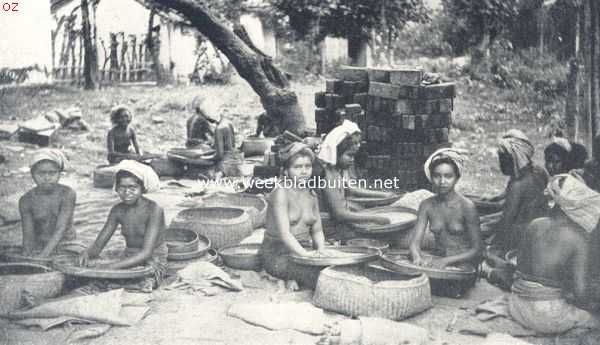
374	202
191	156
181	240
13	254
202	248
375	229
242	256
70	267
365	255
210	256
365	291
369	243
401	263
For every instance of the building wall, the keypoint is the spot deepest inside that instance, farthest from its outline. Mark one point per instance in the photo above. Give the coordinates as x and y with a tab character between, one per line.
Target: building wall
25	35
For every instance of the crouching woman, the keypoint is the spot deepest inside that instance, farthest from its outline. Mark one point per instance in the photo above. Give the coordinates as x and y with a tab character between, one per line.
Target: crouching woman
142	222
292	217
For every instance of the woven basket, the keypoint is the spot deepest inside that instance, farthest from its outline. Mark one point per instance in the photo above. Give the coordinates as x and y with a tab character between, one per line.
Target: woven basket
181	240
38	281
104	176
365	291
167	167
255	205
221	225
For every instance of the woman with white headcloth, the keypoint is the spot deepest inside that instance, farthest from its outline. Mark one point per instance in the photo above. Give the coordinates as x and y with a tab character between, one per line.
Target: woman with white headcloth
452	218
336	156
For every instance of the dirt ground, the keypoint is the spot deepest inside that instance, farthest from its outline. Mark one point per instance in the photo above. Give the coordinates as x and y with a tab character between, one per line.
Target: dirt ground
179	318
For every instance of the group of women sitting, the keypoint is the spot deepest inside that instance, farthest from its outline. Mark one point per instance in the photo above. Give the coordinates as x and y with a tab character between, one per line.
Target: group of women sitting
294	225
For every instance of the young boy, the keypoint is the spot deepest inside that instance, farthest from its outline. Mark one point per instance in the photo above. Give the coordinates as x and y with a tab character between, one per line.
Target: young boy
47	209
142	223
121	136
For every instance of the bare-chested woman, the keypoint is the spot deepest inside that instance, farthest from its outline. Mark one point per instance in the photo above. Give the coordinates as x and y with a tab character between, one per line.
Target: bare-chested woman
551	293
452	218
47	210
292	216
142	223
336	157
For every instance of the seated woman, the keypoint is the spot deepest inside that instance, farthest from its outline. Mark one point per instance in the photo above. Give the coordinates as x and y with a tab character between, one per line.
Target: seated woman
198	125
336	158
47	209
550	291
224	138
452	218
524	195
121	136
562	156
141	220
292	216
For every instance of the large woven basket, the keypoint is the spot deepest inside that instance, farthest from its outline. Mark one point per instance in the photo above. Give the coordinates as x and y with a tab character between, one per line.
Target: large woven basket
104	176
256	146
255	205
366	291
32	279
223	226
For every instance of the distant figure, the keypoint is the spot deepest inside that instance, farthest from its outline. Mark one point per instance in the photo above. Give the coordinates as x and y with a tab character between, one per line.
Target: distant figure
267	126
47	209
562	156
121	136
590	172
550	292
198	125
224	138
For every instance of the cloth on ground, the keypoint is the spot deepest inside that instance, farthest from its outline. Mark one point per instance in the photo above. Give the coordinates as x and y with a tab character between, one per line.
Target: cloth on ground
580	203
328	150
458	156
143	172
107	308
503	339
303	317
488	310
375	331
519	147
204	276
256	237
543	309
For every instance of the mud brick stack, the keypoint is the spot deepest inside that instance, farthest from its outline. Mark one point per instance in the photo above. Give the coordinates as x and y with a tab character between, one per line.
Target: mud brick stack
403	121
344	98
406	122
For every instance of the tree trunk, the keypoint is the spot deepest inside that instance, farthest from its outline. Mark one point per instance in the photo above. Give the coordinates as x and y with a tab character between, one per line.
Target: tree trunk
357	51
153	47
90	67
280	103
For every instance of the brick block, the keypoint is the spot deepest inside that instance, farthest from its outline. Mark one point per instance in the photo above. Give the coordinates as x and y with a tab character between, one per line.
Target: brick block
354	73
334	86
322	115
384	90
333	101
408	76
410	91
353	109
446	105
362	99
406	107
438	91
362	86
349	88
320	99
380	75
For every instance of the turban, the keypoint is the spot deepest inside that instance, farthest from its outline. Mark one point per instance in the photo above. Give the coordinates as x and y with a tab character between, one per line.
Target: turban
458	156
290	150
142	171
518	146
53	155
328	151
580	203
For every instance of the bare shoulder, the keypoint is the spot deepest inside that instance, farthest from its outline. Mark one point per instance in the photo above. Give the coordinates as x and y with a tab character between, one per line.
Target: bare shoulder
278	195
427	204
152	205
467	203
67	192
27	198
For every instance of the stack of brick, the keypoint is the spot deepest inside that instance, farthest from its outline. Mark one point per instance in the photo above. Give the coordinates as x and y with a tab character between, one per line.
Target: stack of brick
344	98
406	122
